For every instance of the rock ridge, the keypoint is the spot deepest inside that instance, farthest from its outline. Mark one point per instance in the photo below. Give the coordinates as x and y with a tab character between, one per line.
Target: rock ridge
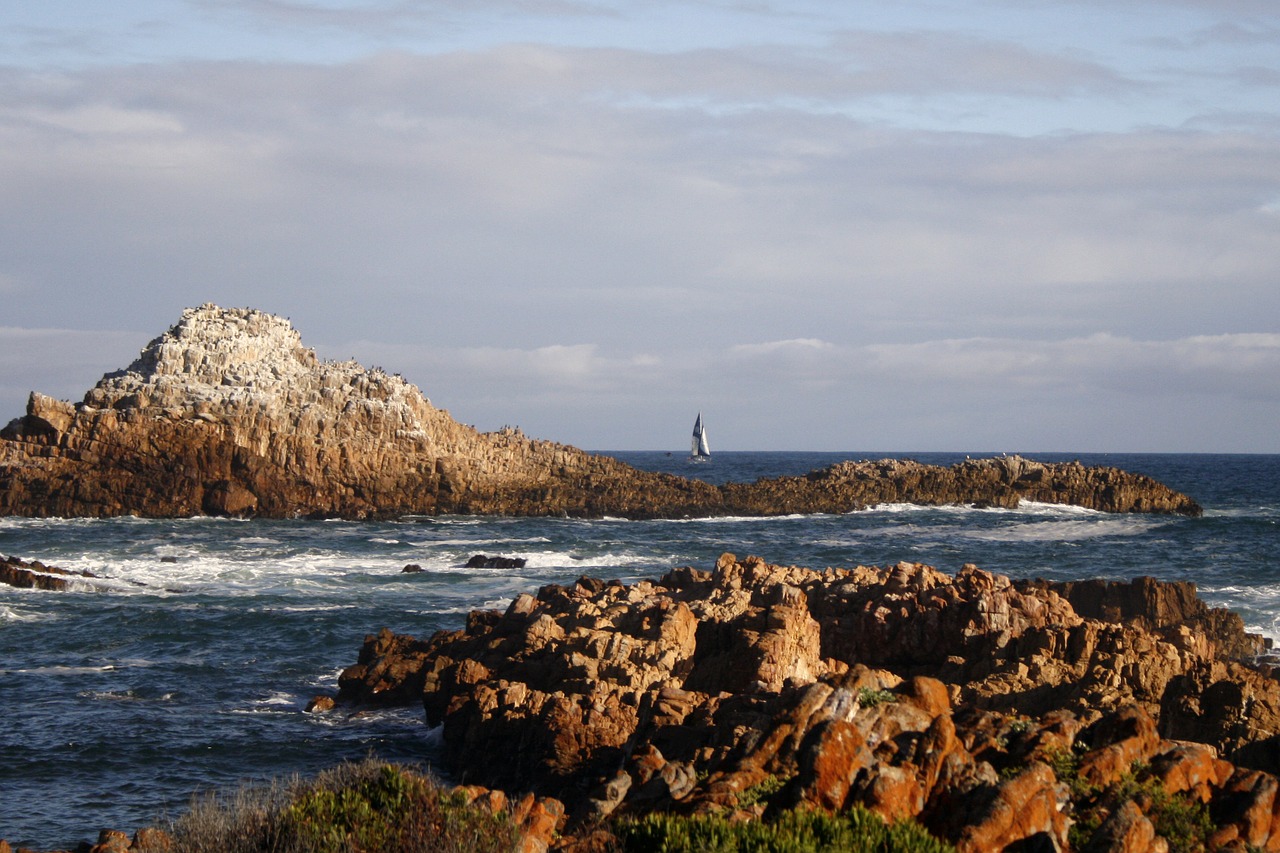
228	413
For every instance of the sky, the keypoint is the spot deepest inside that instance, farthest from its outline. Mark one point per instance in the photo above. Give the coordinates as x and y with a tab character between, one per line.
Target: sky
910	225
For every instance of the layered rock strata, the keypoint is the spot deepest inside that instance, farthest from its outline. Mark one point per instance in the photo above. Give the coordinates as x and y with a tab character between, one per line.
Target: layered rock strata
227	413
994	712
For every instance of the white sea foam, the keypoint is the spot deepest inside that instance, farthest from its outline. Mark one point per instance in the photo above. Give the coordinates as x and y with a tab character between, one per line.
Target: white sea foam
740	519
479	542
59	670
1062	531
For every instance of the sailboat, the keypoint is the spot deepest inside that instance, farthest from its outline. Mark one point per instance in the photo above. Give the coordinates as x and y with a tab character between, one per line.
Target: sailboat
701	451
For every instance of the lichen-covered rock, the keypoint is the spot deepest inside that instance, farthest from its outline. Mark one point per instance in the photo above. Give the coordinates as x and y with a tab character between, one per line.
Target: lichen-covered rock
227	413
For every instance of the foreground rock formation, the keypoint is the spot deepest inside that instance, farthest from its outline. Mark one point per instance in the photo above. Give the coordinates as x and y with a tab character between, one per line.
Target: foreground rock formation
1000	714
227	413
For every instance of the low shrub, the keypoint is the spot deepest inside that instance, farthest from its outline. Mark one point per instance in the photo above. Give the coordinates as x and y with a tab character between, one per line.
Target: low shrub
1180	819
869	698
761	792
798	831
365	807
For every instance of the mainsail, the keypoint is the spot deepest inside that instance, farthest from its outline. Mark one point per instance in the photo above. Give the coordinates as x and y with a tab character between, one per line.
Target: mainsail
701	450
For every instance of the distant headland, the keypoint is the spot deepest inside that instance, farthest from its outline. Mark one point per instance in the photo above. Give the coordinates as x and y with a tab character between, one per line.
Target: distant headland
227	413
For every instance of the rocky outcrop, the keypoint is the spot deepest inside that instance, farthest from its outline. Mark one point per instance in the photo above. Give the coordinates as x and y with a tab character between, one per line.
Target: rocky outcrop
993	712
227	413
36	575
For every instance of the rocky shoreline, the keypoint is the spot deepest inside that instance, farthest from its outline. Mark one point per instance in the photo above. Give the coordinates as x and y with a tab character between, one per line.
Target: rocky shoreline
228	414
999	714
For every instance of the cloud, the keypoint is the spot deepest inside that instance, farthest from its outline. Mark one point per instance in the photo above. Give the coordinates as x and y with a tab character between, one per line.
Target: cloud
929	62
607	237
62	363
1223	366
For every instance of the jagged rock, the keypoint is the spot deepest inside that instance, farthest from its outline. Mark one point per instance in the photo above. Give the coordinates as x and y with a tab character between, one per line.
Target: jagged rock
756	687
227	413
36	575
390	670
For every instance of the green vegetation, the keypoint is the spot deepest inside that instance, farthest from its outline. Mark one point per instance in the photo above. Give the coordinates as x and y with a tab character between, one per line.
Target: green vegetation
761	792
799	831
869	698
1180	819
354	808
1021	726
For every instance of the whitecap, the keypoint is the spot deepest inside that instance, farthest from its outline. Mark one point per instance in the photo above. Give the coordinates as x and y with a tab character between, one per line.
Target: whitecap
9	614
1061	531
58	669
747	519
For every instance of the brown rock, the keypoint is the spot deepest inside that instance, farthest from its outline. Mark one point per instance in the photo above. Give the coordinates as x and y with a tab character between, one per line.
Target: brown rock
1249	803
36	575
1127	830
152	840
320	704
1119	739
1020	808
111	841
1191	768
837	752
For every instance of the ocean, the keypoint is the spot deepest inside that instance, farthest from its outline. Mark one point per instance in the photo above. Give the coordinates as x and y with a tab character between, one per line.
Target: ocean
187	667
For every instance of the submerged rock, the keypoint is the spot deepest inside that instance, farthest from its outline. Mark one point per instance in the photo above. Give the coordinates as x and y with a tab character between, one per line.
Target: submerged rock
991	711
227	413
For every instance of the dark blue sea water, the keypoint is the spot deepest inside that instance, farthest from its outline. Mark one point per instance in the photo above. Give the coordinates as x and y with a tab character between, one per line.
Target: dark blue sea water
124	697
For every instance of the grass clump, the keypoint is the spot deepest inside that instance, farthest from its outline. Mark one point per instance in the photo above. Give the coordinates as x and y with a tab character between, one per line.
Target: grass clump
365	807
799	831
761	792
869	698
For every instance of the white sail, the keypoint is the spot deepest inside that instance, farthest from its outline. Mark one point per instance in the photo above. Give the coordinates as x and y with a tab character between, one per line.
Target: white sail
700	450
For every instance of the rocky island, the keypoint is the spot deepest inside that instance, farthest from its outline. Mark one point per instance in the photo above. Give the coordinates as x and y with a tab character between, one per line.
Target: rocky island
227	413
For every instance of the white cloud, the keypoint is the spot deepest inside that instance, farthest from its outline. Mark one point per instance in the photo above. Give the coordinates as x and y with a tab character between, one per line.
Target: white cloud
794	345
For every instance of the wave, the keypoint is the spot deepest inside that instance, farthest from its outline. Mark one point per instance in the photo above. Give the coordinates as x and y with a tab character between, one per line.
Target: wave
1062	531
60	669
479	541
10	614
741	519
